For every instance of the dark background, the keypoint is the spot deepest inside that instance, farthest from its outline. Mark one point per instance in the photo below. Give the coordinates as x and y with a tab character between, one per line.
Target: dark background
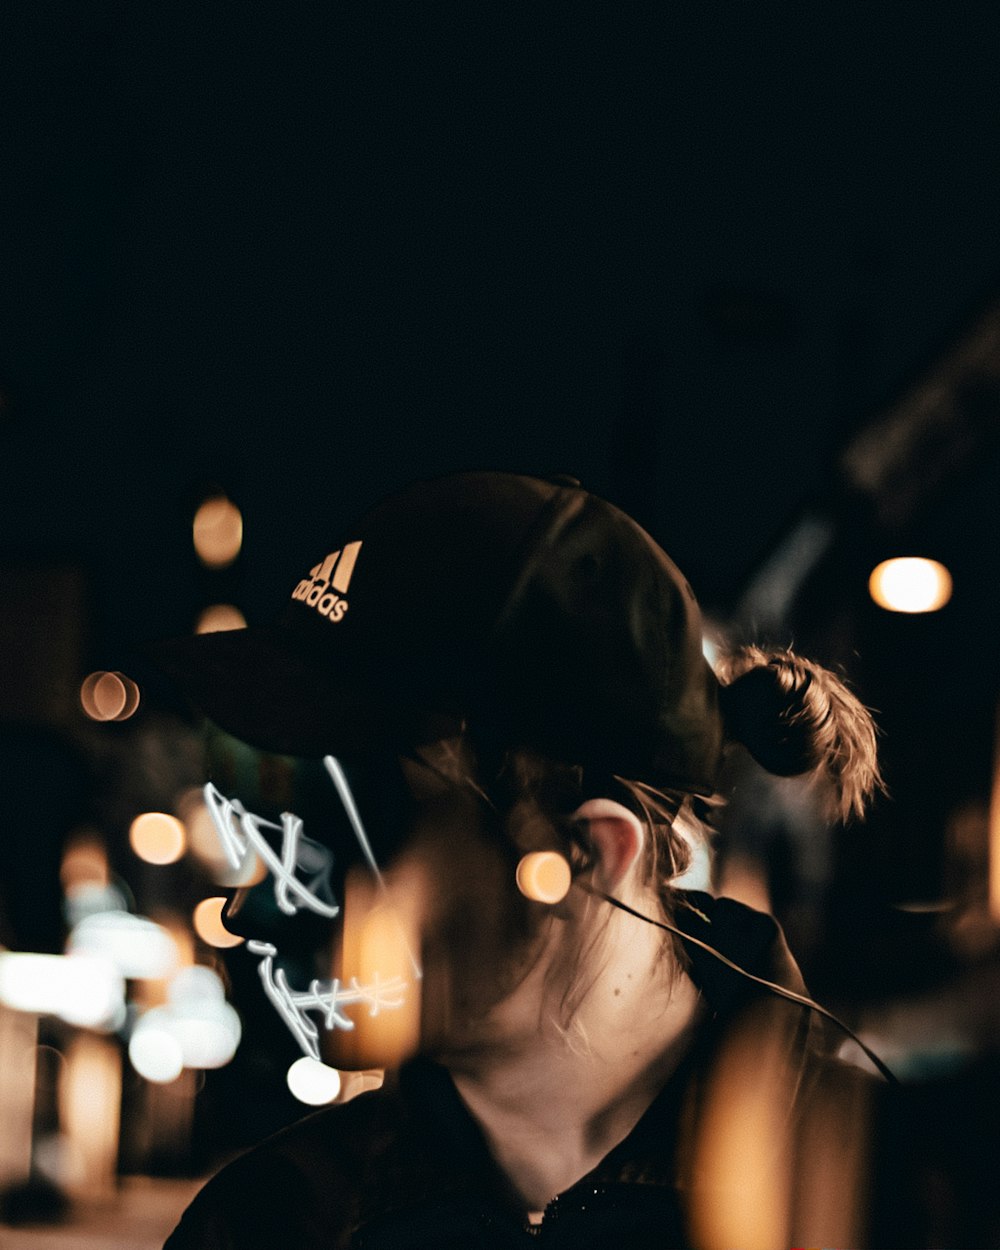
311	252
687	253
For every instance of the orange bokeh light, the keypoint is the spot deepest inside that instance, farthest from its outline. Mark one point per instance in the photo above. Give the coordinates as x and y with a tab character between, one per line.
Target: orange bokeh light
910	584
544	876
208	924
218	532
109	696
157	838
84	861
219	617
203	841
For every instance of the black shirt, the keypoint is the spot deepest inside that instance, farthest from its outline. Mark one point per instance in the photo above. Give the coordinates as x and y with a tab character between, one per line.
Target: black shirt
407	1167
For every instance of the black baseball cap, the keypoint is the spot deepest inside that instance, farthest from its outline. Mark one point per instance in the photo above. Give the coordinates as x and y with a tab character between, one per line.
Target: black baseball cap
525	604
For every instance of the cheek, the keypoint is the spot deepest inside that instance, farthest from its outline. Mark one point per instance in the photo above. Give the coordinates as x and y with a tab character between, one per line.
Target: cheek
480	935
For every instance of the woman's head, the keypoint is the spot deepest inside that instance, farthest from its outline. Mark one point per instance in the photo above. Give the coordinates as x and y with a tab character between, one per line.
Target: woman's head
619	835
529	650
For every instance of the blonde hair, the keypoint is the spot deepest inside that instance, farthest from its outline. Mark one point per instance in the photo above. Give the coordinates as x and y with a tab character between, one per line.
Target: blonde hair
797	718
793	716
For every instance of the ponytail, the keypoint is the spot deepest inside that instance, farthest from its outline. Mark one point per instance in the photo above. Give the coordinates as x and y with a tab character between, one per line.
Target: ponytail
796	717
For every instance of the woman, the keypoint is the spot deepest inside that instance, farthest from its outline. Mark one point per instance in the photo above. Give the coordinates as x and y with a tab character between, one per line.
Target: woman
531	663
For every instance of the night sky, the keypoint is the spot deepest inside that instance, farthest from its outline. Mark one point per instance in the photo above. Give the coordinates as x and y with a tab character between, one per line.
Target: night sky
309	252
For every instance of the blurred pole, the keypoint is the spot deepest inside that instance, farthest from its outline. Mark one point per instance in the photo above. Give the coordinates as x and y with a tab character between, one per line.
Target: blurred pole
90	1096
831	1194
740	1169
18	1041
994	852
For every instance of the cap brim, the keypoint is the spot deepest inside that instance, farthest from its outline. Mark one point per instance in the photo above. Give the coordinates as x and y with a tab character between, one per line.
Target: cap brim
258	688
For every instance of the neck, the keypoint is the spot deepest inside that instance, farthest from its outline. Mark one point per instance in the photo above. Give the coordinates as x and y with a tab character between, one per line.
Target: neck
556	1100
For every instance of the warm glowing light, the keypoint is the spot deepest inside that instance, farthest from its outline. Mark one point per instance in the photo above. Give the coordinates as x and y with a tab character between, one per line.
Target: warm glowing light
204	844
379	939
84	861
90	1091
109	696
138	947
745	879
157	838
155	1053
131	696
993	871
910	584
209	926
741	1171
219	617
544	876
82	989
218	532
833	1164
313	1082
206	1026
195	1028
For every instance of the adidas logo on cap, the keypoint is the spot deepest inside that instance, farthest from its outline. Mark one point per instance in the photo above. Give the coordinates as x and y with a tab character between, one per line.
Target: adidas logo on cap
327	583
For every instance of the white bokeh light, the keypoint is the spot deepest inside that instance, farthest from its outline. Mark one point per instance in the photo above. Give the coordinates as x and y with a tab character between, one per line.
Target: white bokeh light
81	989
313	1082
910	584
155	1053
137	946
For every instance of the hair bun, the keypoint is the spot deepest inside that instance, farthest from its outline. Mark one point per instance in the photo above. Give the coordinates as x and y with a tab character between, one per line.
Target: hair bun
796	717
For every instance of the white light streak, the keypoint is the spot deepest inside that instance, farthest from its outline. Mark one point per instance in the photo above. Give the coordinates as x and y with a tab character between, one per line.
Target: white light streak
240	833
339	780
327	997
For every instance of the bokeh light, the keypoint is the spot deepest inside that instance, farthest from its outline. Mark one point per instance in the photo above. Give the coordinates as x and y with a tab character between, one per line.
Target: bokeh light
910	584
136	945
313	1082
218	532
157	838
195	1028
82	989
204	844
544	876
741	1170
155	1053
90	1094
109	696
208	924
219	617
206	1026
84	861
379	937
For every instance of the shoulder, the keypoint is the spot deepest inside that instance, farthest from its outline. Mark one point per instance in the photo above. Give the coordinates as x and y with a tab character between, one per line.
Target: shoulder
299	1187
315	1183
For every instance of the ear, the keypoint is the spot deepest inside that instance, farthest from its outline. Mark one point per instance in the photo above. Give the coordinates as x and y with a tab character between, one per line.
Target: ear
617	838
